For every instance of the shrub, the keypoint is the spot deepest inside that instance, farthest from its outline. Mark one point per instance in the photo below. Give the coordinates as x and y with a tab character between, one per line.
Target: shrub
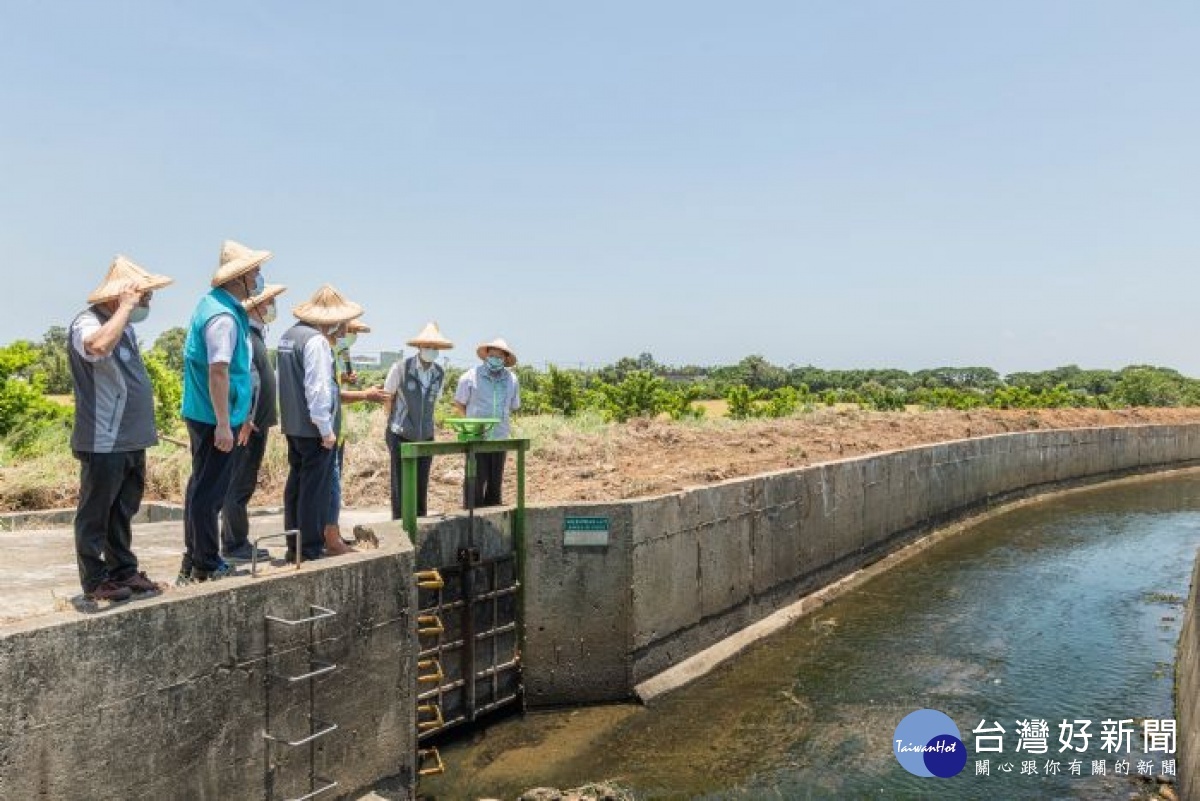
168	391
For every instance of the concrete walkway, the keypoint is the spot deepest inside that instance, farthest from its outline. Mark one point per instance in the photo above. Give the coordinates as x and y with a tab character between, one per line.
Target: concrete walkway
39	575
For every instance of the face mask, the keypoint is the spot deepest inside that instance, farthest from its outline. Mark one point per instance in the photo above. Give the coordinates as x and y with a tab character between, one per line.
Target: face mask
269	314
494	363
428	355
260	284
139	314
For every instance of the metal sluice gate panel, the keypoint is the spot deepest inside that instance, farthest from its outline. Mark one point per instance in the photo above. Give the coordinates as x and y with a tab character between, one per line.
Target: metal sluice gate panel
469	662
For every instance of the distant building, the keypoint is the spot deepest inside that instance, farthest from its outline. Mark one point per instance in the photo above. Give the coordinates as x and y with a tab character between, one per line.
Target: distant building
375	361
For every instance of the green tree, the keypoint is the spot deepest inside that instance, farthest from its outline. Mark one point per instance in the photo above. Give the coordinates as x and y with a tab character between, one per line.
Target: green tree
639	395
168	391
562	392
170	345
23	404
53	361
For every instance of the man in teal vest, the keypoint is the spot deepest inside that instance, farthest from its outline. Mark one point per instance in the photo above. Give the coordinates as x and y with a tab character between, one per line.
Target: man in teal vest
217	393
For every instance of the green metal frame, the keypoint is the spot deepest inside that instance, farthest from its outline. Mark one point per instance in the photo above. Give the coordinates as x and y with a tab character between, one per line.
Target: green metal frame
411	451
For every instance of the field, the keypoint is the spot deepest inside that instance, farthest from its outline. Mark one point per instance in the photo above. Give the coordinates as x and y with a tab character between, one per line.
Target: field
585	458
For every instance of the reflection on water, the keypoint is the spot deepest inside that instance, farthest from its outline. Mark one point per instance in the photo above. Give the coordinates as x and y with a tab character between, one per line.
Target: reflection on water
1060	610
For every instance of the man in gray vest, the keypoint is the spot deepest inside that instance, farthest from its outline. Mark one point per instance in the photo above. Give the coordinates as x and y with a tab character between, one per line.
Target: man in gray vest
252	438
311	417
114	424
413	387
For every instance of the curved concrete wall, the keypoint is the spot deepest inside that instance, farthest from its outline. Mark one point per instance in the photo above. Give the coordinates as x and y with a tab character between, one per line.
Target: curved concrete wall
683	571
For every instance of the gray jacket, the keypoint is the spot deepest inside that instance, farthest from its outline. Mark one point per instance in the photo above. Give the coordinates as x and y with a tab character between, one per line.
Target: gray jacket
412	414
114	401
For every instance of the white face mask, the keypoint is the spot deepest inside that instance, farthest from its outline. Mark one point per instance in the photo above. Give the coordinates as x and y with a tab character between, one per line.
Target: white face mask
428	355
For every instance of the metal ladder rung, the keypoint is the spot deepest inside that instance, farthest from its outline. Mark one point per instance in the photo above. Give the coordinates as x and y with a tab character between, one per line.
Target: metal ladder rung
439	767
430	580
329	785
321	670
430	678
322	614
438	720
329	727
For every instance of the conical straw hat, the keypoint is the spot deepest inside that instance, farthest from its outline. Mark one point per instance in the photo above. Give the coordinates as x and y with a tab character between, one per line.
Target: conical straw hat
510	358
237	259
327	307
121	272
269	293
358	327
430	337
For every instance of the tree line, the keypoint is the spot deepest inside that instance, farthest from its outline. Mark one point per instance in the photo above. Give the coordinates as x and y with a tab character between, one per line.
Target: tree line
32	373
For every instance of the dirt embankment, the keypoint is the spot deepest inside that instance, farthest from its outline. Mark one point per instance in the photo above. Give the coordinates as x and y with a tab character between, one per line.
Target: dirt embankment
575	460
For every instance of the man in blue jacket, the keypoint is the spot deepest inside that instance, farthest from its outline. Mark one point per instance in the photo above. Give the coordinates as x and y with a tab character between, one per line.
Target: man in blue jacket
217	392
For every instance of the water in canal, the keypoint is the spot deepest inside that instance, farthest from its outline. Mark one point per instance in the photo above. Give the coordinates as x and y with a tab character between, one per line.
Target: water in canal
1061	610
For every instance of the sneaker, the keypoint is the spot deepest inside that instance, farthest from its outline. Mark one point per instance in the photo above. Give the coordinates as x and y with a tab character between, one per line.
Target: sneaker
108	591
183	579
222	570
246	554
140	584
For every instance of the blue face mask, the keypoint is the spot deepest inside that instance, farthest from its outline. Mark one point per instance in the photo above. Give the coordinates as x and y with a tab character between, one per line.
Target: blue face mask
494	363
139	313
260	284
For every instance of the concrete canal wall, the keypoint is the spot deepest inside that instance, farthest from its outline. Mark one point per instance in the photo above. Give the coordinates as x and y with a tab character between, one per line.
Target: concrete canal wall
1187	694
167	698
681	572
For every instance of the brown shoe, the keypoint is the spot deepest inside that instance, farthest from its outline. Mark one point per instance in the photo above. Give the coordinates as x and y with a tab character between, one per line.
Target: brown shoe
139	584
109	591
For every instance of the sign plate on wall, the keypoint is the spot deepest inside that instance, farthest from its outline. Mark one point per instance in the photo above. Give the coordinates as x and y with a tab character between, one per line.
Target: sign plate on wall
585	531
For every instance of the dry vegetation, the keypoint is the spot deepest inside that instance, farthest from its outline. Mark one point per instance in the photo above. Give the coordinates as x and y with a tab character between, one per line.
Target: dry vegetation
584	458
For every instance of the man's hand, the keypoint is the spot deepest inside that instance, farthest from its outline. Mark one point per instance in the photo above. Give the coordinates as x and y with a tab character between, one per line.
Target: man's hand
378	394
244	432
129	296
328	441
223	438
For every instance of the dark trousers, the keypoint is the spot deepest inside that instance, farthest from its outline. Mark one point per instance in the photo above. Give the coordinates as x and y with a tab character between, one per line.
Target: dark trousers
202	501
424	464
243	480
306	494
489	478
110	492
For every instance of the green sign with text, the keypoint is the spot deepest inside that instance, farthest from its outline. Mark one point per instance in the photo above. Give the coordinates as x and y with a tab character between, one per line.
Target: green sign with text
585	532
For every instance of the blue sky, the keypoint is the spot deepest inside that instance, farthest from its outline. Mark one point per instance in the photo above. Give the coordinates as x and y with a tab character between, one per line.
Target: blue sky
901	184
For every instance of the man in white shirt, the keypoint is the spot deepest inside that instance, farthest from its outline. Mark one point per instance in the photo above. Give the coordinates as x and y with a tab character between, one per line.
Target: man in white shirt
114	424
310	416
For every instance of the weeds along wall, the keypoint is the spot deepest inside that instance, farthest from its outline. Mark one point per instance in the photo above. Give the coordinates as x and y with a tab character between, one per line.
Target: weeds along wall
680	572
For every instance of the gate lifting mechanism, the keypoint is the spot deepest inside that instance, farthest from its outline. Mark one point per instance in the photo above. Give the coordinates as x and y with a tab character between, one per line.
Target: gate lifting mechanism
469	613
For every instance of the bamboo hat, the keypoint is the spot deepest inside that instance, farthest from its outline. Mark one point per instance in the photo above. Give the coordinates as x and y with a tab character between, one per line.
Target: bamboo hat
358	327
269	293
510	358
121	272
327	306
430	337
237	260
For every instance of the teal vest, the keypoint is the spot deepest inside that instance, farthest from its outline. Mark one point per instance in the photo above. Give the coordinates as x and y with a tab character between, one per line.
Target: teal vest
197	404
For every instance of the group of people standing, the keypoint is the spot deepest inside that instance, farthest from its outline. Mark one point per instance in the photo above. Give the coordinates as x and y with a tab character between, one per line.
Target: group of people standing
232	397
